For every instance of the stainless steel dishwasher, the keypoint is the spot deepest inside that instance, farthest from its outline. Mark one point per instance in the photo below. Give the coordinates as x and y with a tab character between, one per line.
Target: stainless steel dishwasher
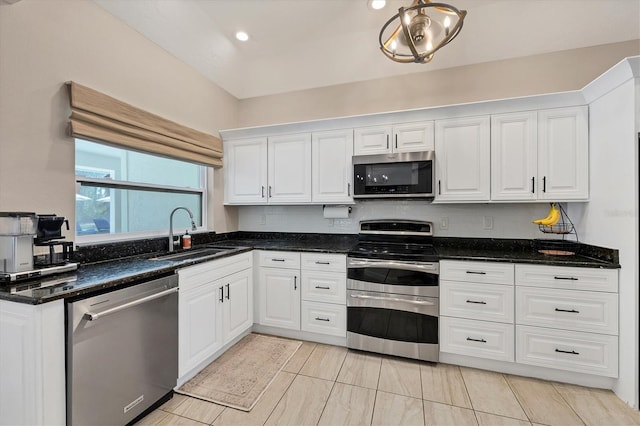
122	352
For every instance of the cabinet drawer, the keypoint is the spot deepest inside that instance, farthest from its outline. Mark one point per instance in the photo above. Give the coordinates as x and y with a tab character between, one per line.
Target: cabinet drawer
477	272
329	287
592	279
587	311
279	259
567	350
324	262
481	339
324	318
197	275
488	302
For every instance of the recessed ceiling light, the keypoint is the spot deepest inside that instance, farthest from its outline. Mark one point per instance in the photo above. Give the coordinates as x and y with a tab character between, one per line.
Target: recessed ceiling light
242	36
377	4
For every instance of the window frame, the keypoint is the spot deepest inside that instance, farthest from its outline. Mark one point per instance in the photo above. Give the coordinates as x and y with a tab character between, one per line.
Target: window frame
111	183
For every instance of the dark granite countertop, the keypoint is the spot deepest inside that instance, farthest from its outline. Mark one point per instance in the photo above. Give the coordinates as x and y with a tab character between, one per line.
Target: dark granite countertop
104	267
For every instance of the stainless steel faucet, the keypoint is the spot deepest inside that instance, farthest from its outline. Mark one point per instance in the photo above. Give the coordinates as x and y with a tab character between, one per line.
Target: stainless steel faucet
193	226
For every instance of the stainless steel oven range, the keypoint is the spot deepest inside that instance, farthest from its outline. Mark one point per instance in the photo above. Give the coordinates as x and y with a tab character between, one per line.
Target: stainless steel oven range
393	289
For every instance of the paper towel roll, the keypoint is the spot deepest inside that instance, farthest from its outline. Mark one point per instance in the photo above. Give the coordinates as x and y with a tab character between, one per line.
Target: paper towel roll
336	212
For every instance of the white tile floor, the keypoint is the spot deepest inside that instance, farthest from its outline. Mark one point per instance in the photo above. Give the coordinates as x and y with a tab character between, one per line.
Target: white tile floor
329	385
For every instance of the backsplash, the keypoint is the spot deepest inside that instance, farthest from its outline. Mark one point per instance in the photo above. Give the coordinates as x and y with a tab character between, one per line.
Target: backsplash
450	220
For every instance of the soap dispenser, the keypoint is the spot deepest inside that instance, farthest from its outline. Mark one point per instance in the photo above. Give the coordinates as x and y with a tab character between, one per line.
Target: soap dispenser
186	240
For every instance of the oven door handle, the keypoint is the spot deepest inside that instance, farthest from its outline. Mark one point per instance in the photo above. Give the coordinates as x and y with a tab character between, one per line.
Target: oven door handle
410	266
393	299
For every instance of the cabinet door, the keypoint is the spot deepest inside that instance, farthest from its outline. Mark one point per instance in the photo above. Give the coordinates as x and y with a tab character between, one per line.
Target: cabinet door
413	137
245	171
237	303
200	325
332	170
563	154
280	298
514	143
371	140
290	169
462	159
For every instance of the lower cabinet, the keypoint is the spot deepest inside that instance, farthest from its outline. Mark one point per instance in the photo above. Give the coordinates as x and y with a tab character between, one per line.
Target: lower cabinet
303	291
280	297
476	308
567	318
558	317
215	306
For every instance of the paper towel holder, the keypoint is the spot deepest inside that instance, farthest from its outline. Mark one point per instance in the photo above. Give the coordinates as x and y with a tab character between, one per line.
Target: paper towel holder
332	205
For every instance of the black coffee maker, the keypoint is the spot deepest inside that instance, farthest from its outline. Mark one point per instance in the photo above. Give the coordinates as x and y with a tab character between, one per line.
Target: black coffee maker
49	234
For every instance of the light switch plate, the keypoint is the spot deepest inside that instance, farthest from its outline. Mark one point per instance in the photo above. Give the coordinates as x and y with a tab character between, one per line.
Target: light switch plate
487	222
444	223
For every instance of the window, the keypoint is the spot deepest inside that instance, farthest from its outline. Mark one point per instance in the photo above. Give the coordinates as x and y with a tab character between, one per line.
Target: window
123	192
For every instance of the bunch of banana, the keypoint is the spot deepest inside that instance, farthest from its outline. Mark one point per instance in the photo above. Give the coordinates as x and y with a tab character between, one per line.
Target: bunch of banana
552	218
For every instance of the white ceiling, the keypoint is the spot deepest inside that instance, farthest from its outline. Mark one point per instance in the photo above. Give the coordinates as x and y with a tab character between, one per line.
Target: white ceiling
302	44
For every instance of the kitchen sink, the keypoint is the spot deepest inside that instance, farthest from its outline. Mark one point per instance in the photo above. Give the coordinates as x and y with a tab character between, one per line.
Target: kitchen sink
194	253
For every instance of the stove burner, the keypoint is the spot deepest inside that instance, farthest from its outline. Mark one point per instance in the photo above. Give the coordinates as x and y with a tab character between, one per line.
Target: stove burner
395	240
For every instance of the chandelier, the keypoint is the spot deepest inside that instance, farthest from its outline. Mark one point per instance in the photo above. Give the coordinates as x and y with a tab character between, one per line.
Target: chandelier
416	32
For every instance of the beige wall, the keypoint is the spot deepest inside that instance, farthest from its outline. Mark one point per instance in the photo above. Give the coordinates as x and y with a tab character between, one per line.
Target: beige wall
548	73
44	43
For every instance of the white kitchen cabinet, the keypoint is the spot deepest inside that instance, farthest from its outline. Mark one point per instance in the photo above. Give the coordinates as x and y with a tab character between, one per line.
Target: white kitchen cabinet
214	306
514	158
567	318
324	293
480	339
279	289
289	169
331	165
237	305
477	309
245	167
406	137
462	147
199	325
32	363
540	155
274	170
563	154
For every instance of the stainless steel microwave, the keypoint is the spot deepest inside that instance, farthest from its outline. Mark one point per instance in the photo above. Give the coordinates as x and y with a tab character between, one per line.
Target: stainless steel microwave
399	175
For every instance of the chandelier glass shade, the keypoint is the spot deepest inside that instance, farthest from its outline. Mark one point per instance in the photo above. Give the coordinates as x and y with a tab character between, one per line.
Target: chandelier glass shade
416	32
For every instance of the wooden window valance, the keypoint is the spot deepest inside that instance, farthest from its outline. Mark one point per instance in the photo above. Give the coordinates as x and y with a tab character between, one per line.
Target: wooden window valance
96	116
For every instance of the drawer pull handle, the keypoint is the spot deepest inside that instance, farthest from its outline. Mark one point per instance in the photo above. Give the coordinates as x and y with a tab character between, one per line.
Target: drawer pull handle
477	340
322	319
566	278
322	263
568	352
477	272
277	260
323	288
571	311
477	302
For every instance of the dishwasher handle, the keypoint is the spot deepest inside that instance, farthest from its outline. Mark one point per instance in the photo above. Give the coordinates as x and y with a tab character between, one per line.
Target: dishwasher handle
93	317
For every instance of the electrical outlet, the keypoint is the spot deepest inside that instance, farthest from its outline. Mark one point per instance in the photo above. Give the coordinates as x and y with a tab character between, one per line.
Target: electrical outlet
487	222
444	223
263	219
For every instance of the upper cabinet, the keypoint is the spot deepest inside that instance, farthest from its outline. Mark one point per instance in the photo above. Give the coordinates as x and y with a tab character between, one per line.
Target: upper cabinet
274	170
462	148
514	158
540	155
530	156
408	137
289	169
331	166
245	166
563	154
